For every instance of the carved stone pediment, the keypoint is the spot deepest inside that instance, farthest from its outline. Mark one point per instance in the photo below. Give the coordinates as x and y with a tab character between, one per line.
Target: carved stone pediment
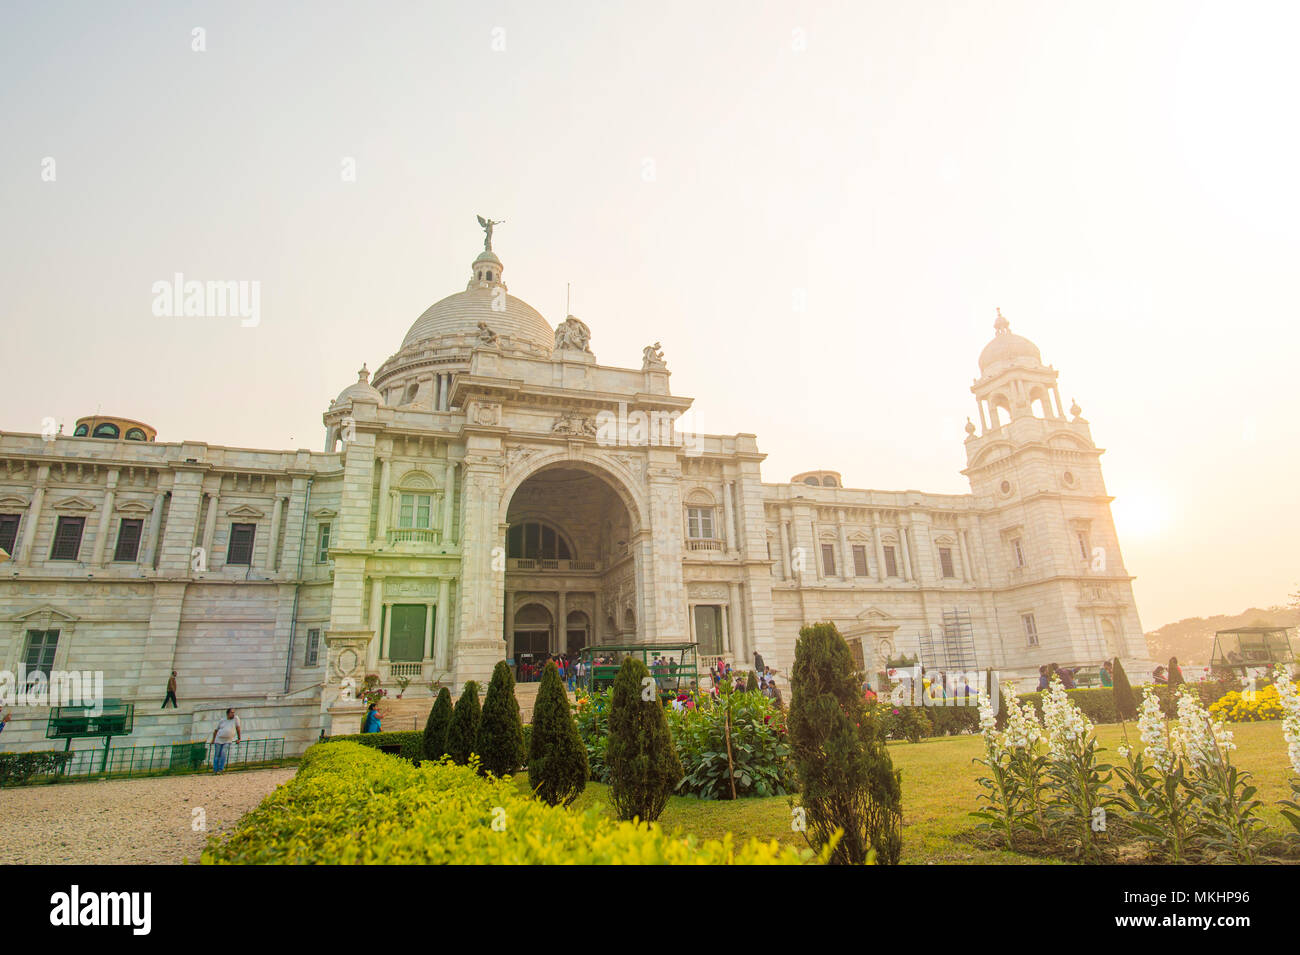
246	511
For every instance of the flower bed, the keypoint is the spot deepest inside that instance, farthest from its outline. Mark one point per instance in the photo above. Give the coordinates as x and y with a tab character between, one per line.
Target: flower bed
350	804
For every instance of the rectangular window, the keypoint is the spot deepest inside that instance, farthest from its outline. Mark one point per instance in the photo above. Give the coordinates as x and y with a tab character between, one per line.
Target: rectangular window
891	564
39	654
313	648
415	512
859	560
1018	551
323	543
67	538
1031	629
945	562
9	532
128	539
708	628
1084	550
828	559
240	549
699	523
406	633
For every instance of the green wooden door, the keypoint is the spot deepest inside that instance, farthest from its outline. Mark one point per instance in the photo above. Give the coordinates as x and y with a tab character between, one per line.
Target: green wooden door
406	635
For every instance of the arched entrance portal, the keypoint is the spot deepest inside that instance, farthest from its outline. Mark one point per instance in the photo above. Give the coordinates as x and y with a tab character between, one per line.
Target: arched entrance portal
570	561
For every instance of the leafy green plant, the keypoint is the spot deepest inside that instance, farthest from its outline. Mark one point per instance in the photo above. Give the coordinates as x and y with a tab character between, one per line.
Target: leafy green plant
740	740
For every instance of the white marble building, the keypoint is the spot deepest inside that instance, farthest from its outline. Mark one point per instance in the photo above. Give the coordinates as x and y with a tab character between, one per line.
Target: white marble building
496	491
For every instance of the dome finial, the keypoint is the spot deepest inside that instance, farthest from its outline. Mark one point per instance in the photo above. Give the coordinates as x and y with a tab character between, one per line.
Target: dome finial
364	374
1001	325
487	225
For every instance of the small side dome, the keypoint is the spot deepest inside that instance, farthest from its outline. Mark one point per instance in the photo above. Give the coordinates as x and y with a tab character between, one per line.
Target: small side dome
1006	348
361	389
818	479
113	428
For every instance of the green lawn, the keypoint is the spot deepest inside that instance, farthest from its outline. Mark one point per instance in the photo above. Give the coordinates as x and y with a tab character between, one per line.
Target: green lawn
939	791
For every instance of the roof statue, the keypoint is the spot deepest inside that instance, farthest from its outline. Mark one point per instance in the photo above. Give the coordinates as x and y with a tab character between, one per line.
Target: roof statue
487	225
652	357
573	333
486	336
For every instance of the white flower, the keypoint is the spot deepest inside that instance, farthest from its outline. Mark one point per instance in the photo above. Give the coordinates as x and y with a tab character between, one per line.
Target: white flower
1022	730
1064	724
1155	733
1197	738
1290	700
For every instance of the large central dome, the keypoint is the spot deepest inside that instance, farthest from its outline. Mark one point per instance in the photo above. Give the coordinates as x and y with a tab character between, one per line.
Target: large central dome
485	301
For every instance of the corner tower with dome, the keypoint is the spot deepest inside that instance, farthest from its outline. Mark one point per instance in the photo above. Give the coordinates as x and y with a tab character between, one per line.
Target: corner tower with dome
494	492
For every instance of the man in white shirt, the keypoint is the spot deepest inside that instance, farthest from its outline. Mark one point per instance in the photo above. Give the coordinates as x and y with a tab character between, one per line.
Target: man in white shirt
228	731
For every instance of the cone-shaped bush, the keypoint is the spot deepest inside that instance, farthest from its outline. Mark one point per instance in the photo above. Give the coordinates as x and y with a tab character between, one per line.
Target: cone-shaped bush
435	727
751	682
643	764
557	758
463	729
500	741
1175	677
1125	704
848	780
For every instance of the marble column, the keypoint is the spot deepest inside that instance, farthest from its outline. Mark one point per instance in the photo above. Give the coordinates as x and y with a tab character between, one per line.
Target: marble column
377	624
210	526
273	545
32	522
385	504
443	620
846	558
906	551
785	550
449	504
150	551
735	618
105	520
728	519
880	548
562	620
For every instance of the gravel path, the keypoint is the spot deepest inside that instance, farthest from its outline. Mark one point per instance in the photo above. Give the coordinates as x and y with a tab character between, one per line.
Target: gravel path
133	821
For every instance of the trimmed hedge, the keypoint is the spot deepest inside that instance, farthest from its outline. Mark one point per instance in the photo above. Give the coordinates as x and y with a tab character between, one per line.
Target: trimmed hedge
349	805
410	744
17	768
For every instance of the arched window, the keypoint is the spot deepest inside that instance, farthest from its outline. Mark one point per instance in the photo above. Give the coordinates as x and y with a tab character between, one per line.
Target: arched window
533	540
106	430
82	431
813	481
829	481
135	434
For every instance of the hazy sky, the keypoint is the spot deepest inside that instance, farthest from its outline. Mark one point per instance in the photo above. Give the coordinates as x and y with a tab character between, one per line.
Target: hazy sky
1120	178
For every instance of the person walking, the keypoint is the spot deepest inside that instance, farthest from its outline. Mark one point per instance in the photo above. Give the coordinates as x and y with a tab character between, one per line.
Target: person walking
228	731
758	662
171	692
373	721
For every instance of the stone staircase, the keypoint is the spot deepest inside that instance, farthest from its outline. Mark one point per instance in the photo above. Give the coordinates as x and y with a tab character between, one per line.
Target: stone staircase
411	712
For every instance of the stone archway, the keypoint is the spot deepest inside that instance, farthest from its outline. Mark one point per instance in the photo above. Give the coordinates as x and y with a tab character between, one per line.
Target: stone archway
569	530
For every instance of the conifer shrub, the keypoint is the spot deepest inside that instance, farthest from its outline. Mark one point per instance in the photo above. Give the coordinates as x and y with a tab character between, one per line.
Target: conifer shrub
557	757
751	682
462	731
1122	690
435	727
848	780
500	739
643	764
